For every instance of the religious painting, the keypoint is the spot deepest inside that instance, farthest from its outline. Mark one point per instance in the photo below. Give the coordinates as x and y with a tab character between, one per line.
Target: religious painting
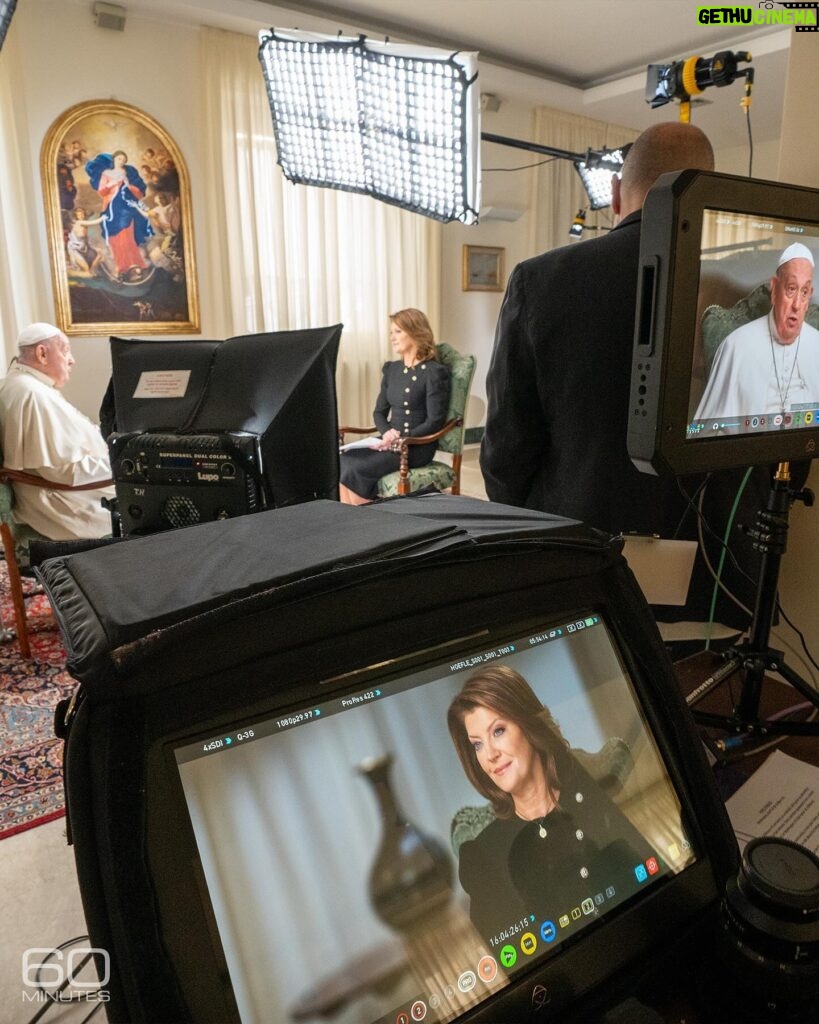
120	231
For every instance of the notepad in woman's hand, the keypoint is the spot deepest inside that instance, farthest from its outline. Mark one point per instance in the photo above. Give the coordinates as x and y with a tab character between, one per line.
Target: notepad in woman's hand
364	442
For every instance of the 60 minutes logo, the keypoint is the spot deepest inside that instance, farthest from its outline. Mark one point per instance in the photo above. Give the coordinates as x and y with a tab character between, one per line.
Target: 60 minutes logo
56	976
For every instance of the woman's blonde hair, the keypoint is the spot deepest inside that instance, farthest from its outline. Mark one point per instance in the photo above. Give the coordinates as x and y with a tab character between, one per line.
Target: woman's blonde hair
414	323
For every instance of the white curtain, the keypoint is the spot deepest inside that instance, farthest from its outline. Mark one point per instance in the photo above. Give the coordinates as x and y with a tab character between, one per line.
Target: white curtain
558	192
287	256
21	284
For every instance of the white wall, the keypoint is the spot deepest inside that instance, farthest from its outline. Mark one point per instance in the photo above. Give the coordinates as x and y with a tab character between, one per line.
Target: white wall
468	318
765	162
799	163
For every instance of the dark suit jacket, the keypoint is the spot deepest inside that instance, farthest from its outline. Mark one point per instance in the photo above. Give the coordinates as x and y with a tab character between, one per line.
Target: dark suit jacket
558	390
558	405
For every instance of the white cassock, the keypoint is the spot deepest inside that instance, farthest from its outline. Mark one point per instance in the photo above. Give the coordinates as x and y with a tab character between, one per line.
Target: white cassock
753	373
45	435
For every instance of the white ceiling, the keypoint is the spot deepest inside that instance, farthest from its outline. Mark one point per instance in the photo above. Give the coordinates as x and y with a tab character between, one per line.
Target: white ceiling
588	56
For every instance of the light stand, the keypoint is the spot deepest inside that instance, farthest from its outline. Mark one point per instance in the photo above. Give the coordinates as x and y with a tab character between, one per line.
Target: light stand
754	656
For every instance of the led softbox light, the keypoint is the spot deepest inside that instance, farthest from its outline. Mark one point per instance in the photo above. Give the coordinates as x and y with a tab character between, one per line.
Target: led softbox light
595	172
398	123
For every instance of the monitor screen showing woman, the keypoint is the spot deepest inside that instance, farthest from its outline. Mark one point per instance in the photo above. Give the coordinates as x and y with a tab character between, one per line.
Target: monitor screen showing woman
406	849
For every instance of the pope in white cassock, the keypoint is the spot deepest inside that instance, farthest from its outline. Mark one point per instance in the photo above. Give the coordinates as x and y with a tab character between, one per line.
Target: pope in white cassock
770	365
43	434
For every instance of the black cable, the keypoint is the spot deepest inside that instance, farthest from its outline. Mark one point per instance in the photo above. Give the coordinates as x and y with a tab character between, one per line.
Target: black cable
691	503
712	534
524	167
799	633
750	142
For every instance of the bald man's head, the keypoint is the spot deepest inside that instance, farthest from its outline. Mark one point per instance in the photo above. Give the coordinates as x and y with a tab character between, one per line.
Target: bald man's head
665	147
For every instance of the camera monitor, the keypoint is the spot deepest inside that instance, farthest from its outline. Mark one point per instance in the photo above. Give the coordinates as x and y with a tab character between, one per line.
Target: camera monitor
406	897
278	388
305	818
725	368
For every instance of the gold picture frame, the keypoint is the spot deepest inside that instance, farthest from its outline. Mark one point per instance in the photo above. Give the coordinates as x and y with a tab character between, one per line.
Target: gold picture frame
120	230
483	268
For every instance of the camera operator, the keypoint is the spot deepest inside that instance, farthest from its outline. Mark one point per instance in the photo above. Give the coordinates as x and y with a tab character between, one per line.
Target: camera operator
558	389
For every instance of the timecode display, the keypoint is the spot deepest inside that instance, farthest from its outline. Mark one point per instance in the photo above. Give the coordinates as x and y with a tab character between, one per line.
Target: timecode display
514	929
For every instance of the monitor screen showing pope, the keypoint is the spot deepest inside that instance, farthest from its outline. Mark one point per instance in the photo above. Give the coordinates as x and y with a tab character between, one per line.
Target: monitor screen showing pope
756	363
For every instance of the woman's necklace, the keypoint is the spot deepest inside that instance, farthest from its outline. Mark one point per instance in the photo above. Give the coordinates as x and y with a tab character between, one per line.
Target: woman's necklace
542	831
784	393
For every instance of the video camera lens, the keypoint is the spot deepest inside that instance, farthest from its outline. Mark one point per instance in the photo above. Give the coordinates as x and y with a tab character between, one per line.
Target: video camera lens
766	963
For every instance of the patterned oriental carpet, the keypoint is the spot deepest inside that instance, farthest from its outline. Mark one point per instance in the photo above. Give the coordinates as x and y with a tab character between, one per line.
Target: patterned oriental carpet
31	775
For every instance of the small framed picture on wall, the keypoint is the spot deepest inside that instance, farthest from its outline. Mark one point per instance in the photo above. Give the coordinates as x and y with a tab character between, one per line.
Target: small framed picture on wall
483	268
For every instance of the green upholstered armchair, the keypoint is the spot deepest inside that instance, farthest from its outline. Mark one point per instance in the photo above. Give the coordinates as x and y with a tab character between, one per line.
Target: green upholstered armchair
450	437
16	538
719	321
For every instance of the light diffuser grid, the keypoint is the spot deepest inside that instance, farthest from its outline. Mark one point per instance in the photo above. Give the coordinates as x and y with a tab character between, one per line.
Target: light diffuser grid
596	171
394	122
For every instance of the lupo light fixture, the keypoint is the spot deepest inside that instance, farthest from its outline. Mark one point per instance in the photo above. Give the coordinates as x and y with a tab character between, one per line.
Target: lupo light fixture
596	169
399	123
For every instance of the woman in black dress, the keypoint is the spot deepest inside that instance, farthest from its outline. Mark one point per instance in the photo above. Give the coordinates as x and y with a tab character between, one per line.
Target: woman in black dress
557	839
412	402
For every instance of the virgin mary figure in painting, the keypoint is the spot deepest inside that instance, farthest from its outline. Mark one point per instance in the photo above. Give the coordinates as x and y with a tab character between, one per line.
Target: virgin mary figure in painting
124	223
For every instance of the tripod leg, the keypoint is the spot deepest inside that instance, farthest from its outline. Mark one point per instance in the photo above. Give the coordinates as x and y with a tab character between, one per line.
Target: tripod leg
747	707
798	683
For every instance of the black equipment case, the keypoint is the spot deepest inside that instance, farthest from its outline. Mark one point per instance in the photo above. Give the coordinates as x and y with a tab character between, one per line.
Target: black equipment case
169	633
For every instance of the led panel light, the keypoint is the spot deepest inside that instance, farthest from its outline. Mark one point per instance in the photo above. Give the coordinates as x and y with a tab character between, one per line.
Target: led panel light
6	11
595	172
399	123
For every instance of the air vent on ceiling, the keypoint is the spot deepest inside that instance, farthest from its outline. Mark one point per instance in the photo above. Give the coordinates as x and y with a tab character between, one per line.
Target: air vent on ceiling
110	16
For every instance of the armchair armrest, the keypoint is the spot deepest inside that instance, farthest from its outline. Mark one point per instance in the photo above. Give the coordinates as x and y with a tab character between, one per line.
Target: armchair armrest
354	430
403	446
21	477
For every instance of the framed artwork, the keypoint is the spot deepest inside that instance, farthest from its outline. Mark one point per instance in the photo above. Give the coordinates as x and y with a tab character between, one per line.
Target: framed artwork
120	231
482	269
